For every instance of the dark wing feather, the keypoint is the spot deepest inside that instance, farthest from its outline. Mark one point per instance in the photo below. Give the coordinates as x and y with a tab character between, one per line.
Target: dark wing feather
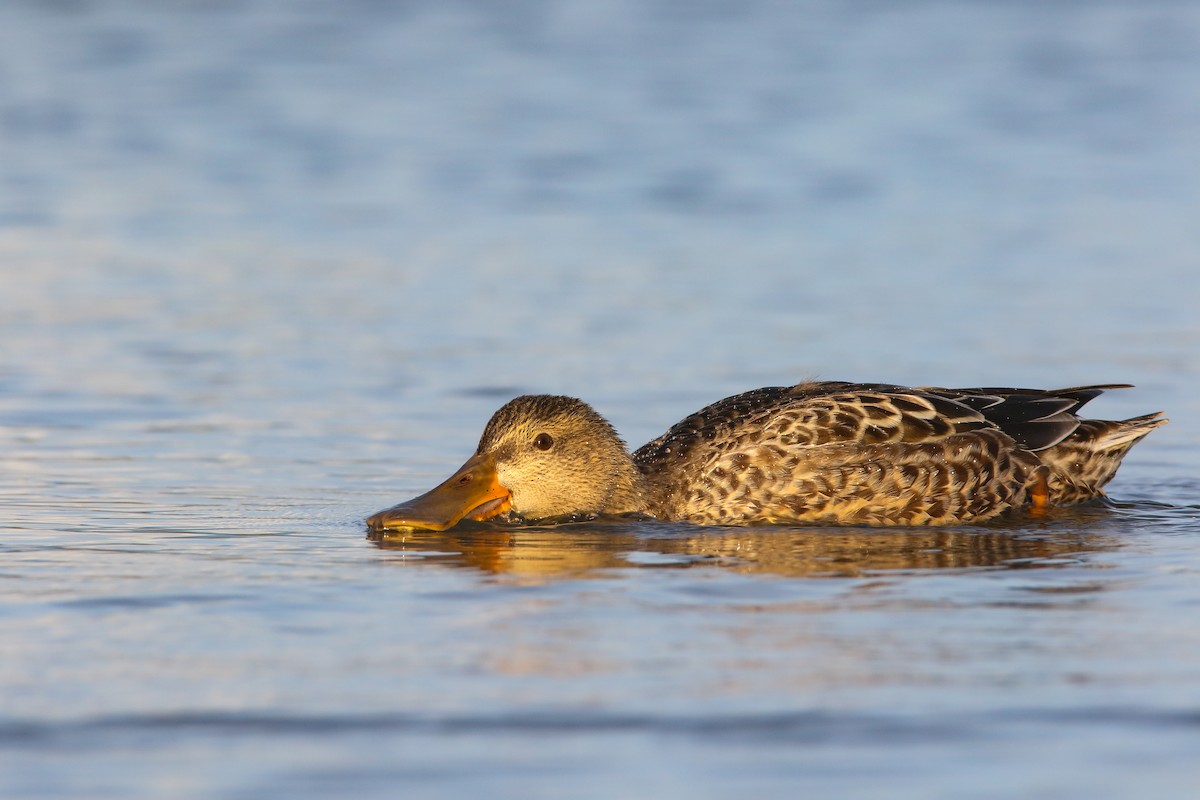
1035	418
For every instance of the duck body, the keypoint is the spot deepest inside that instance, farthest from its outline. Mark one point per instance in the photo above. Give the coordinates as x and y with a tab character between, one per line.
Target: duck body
818	452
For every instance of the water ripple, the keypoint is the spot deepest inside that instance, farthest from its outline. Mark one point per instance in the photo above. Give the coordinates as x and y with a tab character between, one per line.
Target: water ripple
811	727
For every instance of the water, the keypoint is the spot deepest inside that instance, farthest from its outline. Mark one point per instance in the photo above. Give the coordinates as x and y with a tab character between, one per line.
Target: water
266	268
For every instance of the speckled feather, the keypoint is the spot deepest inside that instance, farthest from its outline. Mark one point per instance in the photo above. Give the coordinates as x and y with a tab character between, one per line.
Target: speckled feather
872	454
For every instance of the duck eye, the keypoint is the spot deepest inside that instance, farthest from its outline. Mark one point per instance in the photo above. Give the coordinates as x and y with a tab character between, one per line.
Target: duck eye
544	441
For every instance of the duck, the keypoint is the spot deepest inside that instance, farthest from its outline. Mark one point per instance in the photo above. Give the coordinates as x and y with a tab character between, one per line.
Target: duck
819	452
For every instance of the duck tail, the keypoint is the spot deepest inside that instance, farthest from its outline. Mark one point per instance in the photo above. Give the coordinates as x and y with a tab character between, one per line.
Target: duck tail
1125	434
1081	464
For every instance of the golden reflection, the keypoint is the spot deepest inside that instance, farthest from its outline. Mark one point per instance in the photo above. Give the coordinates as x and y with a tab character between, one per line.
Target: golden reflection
589	549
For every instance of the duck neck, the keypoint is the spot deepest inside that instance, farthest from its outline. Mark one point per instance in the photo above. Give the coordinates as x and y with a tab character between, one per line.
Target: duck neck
629	490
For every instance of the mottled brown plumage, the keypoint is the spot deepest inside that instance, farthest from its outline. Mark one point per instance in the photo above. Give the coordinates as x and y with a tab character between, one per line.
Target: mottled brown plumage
828	452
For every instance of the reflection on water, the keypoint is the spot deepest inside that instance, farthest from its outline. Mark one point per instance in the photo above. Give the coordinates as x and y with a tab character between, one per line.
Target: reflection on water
587	549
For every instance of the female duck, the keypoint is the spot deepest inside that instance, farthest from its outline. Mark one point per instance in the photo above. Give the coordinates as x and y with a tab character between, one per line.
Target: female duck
829	452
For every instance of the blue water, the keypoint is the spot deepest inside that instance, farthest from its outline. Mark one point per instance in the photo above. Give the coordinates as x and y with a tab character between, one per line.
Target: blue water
268	267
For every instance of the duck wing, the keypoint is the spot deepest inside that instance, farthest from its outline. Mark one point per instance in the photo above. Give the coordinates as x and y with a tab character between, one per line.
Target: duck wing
1035	418
818	413
845	453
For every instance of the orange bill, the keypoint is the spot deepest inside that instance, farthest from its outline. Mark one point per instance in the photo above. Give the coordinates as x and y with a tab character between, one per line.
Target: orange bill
474	492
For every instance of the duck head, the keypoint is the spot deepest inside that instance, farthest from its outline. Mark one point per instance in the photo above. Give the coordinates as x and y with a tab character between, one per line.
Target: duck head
540	457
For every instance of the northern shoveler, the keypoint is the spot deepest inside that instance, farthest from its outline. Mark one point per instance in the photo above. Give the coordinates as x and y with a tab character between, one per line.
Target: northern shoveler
819	452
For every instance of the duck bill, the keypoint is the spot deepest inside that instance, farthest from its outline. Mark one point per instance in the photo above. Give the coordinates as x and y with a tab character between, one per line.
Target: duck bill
474	492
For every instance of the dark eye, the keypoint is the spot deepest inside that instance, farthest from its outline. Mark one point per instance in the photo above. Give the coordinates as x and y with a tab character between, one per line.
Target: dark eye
544	441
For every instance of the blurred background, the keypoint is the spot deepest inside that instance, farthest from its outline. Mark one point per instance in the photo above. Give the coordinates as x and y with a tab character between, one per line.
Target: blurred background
595	198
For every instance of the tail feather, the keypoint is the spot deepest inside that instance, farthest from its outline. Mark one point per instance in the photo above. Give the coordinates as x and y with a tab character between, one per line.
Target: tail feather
1085	461
1127	432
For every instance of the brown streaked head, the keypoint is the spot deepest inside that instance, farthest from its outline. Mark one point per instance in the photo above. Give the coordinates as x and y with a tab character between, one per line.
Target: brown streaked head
540	456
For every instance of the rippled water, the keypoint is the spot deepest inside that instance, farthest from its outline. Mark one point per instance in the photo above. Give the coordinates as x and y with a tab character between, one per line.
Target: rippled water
267	267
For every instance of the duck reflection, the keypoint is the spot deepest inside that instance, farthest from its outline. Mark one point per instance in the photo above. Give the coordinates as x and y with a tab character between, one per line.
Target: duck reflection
593	548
